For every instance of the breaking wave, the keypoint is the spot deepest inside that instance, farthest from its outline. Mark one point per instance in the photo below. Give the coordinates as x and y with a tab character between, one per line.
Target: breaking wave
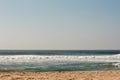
34	58
58	62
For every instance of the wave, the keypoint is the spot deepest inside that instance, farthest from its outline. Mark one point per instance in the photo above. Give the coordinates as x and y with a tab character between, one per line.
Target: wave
58	62
35	58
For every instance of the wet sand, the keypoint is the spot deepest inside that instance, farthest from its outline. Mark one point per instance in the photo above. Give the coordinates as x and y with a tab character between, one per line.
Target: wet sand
80	75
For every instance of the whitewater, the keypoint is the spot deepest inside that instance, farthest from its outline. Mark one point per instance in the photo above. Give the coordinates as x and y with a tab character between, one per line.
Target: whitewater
57	58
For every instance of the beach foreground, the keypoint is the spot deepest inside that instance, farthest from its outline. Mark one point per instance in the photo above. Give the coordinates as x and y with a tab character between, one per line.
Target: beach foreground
81	75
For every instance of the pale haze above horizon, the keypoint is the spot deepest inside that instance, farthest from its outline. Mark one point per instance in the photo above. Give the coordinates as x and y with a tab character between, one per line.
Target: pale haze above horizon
60	24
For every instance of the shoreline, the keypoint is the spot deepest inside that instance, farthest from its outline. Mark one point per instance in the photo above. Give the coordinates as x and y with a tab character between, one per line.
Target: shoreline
62	75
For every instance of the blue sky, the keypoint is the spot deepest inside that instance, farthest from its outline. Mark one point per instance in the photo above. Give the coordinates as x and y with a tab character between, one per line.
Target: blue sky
59	24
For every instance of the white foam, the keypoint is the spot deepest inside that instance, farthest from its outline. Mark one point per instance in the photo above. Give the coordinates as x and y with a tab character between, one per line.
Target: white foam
35	58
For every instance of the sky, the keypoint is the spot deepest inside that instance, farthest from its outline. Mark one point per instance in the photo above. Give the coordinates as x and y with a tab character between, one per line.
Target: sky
60	24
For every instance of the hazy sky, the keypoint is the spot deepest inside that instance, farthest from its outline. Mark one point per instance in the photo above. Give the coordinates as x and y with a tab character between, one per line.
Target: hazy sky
59	24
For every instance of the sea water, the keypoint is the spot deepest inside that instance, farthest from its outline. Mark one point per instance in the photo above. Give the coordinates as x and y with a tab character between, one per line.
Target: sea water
59	60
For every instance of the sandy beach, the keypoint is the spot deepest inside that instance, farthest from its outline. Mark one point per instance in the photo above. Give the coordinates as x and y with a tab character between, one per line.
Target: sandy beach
80	75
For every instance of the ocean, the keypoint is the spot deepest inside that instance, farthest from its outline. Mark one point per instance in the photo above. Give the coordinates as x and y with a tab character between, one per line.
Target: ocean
59	60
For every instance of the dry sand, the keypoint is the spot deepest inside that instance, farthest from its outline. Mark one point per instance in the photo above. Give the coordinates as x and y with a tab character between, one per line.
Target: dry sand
81	75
